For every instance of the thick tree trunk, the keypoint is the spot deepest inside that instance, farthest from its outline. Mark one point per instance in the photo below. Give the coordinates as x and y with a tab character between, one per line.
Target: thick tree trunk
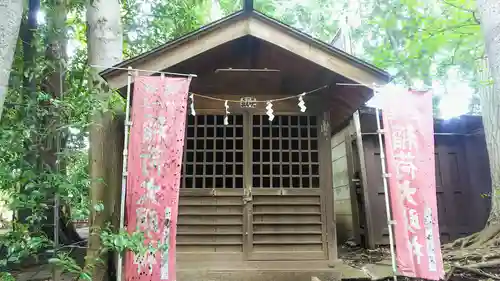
489	96
490	100
56	47
110	147
105	45
105	39
27	35
490	108
11	12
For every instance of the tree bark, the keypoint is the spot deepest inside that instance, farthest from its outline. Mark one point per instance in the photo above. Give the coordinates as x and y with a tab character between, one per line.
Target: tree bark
27	35
28	31
11	12
105	48
105	38
489	97
489	11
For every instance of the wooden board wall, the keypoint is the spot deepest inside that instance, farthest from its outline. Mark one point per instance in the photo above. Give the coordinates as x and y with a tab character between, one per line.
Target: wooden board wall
341	186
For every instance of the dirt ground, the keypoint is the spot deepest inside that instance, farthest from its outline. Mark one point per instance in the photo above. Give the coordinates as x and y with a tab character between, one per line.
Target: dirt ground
459	265
362	264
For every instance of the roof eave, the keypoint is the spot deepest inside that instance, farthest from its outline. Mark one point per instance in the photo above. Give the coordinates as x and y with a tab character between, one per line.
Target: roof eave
382	75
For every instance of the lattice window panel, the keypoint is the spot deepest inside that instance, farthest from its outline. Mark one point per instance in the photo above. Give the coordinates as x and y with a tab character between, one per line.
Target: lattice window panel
213	152
285	152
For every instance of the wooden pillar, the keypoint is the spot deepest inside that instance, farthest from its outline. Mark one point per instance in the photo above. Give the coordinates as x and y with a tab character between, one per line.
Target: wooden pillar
326	183
352	166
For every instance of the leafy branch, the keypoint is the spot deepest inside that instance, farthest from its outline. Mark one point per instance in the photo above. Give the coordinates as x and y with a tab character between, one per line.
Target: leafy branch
474	15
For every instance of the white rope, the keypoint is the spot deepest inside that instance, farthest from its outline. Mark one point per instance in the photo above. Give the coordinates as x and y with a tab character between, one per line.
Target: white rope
226	118
262	101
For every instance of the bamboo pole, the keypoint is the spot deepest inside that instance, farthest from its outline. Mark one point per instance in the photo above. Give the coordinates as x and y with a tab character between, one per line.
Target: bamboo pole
390	222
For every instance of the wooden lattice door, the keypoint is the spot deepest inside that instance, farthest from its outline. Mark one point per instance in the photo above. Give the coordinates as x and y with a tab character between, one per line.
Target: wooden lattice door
210	225
285	219
251	190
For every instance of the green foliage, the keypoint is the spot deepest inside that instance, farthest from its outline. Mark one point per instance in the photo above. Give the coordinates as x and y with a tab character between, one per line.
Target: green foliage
318	18
149	25
34	125
78	186
21	243
112	242
44	142
121	241
421	39
6	276
414	40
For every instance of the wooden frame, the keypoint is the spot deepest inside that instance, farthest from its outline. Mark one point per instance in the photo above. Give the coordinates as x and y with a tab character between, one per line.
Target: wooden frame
352	164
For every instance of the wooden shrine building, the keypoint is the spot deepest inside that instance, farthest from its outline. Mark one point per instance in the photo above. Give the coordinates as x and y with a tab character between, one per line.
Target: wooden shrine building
256	191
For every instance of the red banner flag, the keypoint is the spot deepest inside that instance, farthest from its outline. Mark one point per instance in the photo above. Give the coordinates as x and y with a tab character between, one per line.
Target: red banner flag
154	170
409	144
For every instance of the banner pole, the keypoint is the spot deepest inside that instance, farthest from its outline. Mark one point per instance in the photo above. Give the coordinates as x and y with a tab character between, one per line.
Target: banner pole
119	269
390	222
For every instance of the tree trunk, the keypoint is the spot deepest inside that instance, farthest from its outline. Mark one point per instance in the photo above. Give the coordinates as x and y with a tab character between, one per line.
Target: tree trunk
105	45
489	96
56	137
105	39
490	105
114	152
27	35
28	31
11	12
490	100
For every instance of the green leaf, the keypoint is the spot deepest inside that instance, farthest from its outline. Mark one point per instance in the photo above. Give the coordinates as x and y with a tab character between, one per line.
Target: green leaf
99	207
85	276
